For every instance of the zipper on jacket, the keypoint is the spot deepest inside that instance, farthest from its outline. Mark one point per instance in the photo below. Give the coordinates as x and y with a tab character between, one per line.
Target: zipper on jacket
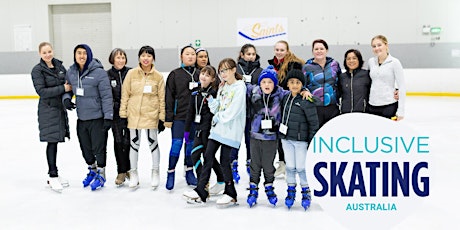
351	88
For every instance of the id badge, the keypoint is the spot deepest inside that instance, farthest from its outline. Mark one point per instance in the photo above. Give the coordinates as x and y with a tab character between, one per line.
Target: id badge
283	128
266	124
147	89
80	92
113	83
197	118
192	85
247	78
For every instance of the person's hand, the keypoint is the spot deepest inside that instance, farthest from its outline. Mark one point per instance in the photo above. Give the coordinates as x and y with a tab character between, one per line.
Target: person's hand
67	87
168	124
306	95
161	126
187	137
69	105
107	124
396	94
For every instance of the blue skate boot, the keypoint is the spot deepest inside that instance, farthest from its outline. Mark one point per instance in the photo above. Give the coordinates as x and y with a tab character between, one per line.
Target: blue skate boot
236	176
306	197
90	176
290	198
190	177
99	181
269	190
253	194
170	180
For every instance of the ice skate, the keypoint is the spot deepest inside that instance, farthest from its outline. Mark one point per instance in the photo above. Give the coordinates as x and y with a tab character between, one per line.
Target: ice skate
253	194
236	176
290	198
134	179
217	188
99	181
271	195
170	180
192	197
64	182
190	177
306	197
155	179
55	184
121	178
226	201
89	177
281	170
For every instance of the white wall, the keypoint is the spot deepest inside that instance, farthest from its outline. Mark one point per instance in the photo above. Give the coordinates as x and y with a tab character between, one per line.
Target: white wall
417	81
173	23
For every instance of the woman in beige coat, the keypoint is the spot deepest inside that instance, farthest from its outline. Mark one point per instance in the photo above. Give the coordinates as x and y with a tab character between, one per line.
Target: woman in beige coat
143	104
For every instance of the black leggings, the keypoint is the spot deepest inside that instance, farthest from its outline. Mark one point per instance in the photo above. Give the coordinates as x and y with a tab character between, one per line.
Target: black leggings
51	155
387	111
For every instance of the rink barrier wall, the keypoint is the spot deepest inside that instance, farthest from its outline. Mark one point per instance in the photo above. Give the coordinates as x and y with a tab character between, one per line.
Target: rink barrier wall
419	82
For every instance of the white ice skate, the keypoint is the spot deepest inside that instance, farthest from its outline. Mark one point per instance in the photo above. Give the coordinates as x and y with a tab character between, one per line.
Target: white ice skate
226	201
134	179
55	184
64	182
217	188
192	197
155	179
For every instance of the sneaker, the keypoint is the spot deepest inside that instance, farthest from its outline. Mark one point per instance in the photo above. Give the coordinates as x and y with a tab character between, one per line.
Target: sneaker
121	177
155	178
217	188
192	197
55	184
64	182
134	181
226	201
281	170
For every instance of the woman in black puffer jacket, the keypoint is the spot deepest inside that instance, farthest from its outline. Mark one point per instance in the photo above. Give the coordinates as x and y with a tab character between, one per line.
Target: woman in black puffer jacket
48	78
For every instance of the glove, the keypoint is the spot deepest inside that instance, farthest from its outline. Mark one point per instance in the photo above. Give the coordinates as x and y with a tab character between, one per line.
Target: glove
168	124
187	137
107	124
161	126
124	122
69	105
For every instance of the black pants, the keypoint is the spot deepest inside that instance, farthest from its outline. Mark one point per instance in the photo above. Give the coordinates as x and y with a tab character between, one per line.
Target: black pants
225	161
326	113
199	147
263	155
121	145
387	111
93	141
51	156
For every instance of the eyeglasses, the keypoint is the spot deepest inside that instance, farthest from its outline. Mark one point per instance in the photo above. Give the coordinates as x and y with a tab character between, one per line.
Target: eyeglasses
224	70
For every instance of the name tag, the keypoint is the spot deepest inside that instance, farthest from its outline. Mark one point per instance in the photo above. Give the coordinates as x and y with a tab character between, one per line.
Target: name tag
247	78
192	85
197	118
80	92
113	83
147	89
266	124
283	128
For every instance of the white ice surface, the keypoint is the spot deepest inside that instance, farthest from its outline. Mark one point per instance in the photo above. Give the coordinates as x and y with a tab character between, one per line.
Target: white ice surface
26	202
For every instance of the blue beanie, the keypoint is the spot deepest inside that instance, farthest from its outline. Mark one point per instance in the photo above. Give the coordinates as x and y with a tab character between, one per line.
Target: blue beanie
269	72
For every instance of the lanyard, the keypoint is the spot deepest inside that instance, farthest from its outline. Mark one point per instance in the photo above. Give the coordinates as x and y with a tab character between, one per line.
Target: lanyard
289	111
198	111
191	74
242	70
79	81
267	115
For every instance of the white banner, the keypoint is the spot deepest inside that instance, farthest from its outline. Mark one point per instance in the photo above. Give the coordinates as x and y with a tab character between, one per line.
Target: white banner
261	31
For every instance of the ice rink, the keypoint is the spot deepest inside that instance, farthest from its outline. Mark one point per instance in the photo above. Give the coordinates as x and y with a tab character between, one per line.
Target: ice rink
28	203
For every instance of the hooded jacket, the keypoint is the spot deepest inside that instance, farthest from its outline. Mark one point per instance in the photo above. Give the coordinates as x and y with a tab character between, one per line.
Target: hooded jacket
96	101
52	116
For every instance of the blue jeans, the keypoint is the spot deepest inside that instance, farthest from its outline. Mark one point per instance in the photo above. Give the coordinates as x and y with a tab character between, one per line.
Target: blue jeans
295	155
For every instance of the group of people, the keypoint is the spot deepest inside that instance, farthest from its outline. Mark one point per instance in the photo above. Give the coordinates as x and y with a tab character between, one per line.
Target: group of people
278	110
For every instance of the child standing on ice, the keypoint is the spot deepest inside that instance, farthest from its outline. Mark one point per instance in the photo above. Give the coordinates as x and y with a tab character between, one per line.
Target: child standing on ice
299	124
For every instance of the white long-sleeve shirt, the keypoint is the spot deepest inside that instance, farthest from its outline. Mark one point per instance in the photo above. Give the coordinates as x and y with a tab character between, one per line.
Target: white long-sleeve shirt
384	77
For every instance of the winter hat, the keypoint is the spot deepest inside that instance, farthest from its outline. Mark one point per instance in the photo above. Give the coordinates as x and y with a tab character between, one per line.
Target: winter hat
89	55
297	74
269	72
